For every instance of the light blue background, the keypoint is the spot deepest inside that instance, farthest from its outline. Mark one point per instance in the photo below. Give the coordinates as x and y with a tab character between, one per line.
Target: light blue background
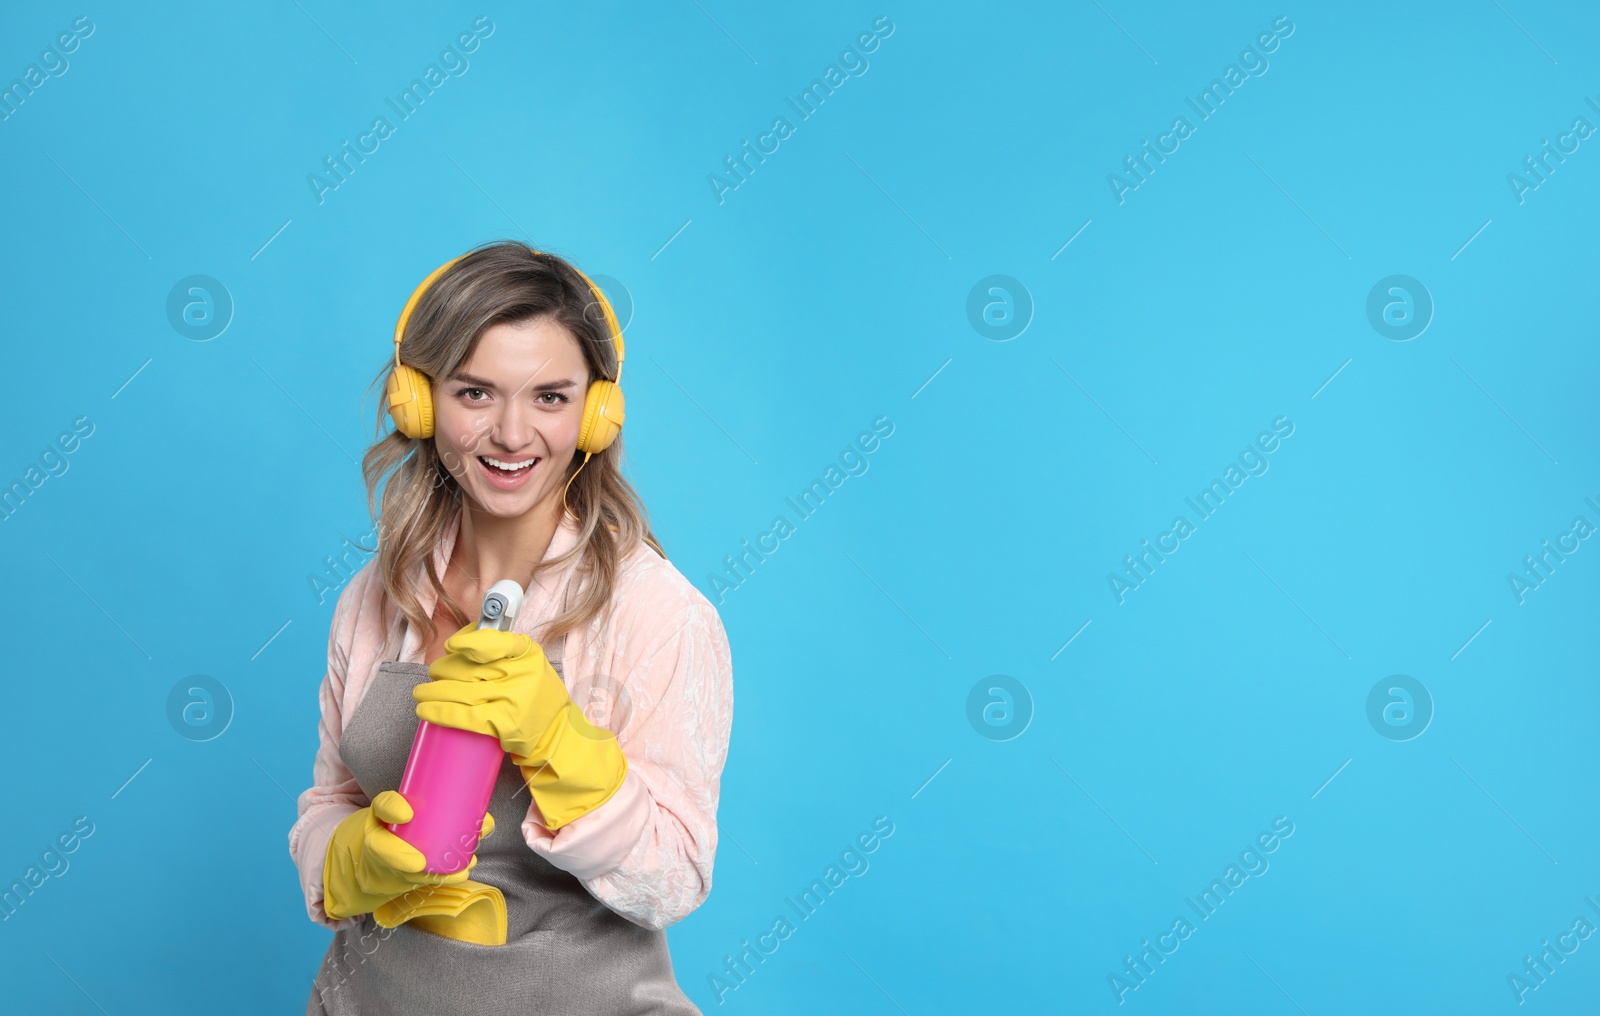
821	294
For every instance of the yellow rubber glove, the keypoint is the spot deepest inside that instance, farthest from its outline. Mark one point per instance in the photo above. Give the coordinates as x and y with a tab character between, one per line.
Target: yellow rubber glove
500	683
367	865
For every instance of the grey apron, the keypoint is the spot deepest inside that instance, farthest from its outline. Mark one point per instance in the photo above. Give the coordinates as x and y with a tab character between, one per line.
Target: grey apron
565	951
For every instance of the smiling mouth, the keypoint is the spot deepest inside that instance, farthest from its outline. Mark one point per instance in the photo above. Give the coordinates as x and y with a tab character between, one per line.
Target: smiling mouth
504	468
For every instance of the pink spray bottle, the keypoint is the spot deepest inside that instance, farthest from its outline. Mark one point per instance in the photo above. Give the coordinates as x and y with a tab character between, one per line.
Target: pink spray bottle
451	773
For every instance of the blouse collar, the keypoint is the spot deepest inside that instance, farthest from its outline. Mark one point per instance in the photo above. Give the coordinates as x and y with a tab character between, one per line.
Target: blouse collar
538	602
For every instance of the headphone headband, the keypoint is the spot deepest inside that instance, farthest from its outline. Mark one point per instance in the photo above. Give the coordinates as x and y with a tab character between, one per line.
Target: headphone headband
411	304
612	327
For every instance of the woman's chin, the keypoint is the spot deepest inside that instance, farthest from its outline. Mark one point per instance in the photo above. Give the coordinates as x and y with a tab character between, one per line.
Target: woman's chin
508	504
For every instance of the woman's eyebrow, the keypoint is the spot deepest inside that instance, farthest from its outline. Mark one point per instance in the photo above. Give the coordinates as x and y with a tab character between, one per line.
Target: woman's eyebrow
485	383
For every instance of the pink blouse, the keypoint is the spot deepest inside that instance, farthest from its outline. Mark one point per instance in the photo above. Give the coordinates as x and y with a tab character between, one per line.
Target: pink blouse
647	852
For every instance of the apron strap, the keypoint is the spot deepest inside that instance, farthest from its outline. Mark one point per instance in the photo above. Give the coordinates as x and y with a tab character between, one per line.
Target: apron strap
553	651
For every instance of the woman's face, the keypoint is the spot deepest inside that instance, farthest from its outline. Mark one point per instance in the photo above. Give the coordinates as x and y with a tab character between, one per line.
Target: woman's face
518	400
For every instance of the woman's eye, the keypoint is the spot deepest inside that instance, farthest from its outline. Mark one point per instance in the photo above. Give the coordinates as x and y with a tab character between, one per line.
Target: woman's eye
465	391
558	397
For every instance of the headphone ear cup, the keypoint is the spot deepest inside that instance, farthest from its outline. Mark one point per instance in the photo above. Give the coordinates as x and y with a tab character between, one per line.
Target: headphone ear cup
603	412
411	402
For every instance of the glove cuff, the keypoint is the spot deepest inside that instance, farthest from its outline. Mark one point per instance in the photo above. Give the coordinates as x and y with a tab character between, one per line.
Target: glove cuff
336	845
327	881
582	767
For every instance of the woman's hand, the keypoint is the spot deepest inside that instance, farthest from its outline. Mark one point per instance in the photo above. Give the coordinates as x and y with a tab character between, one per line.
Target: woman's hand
497	683
500	683
367	865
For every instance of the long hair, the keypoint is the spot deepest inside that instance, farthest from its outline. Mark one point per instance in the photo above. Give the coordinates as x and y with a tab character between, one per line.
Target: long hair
496	283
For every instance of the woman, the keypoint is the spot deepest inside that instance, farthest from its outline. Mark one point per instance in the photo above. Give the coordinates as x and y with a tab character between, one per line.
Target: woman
612	693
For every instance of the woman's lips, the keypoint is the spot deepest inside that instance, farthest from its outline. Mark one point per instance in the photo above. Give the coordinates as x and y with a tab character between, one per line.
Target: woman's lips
499	479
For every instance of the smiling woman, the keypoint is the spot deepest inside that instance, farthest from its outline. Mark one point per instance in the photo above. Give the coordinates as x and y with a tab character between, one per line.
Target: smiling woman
504	464
533	412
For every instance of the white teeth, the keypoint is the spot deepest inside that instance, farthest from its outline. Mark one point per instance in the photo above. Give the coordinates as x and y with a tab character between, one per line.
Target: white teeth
510	466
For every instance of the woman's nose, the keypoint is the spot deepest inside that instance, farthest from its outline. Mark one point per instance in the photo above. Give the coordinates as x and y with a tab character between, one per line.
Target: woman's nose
514	429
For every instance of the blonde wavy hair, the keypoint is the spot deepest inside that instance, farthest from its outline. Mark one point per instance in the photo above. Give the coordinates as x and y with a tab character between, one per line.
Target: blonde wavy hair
505	281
